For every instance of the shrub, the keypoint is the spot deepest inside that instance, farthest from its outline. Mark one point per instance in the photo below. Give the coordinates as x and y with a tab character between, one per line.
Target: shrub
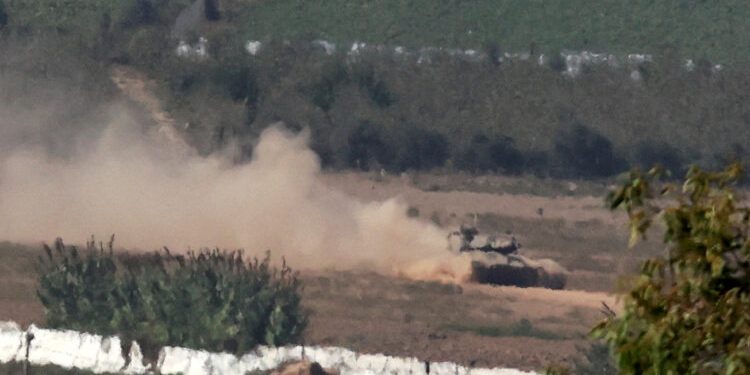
141	12
211	10
422	149
521	328
494	53
412	212
598	361
506	157
650	153
686	312
76	288
182	76
212	300
147	46
238	80
375	88
483	155
583	152
366	147
557	62
323	92
3	15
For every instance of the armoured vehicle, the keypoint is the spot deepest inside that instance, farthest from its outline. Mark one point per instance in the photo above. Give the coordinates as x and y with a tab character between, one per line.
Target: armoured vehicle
498	262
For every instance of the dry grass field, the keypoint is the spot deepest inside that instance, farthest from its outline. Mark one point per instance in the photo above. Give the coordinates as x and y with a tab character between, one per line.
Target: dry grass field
477	325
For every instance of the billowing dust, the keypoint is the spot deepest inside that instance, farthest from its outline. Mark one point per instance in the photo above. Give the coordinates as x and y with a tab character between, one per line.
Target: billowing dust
152	193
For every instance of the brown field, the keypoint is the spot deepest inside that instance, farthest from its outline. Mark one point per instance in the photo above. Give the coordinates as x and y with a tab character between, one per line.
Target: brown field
477	325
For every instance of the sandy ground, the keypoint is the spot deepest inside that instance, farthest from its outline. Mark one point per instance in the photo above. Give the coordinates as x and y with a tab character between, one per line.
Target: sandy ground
367	187
469	324
477	325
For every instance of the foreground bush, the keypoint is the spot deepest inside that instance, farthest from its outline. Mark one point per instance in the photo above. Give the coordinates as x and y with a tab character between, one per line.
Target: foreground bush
688	312
213	300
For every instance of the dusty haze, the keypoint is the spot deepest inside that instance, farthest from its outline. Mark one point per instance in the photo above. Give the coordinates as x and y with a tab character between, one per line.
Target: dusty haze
152	192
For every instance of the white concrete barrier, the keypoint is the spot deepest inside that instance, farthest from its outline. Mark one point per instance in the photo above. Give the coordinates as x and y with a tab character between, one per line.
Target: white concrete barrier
135	361
71	349
446	368
498	371
99	354
397	365
12	342
184	361
331	357
268	358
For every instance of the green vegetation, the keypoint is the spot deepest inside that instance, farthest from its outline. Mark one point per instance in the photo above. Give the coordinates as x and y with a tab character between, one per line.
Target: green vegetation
517	118
687	311
386	111
210	300
695	28
521	328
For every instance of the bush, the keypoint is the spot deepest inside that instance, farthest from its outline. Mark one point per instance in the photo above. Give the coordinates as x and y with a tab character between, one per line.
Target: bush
147	46
412	212
687	311
650	153
366	147
323	92
3	15
506	157
211	10
521	328
212	300
182	76
483	155
238	80
557	62
422	149
141	12
494	53
583	152
598	361
375	88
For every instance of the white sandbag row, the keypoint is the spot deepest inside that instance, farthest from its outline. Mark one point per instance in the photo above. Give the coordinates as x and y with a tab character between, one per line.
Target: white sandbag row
71	349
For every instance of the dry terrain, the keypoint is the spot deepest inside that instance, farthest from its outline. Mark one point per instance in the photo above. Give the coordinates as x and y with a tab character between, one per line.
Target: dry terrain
477	325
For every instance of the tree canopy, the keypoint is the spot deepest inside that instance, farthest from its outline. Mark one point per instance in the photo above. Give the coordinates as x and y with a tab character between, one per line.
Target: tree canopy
688	311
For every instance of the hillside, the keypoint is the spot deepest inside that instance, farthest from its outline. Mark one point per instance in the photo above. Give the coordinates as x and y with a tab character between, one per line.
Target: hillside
695	28
382	110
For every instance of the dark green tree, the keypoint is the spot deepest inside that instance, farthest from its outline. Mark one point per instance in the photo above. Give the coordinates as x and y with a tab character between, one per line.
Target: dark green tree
3	15
688	311
211	10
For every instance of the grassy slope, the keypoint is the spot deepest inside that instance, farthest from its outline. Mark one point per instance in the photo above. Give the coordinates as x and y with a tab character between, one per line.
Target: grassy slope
696	28
519	101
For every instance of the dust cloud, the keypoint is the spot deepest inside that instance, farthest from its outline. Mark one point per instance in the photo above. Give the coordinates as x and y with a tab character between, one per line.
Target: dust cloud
152	193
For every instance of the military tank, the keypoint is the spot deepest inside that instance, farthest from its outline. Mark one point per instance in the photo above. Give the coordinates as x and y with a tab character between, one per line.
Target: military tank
498	262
